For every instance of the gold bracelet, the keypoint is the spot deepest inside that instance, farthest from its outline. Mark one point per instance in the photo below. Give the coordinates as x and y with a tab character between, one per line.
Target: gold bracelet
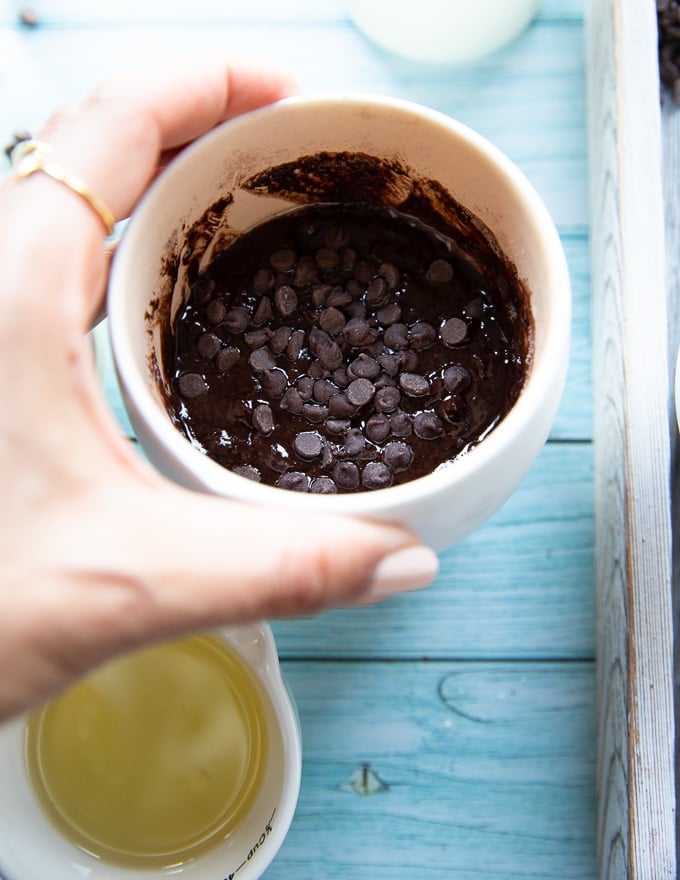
31	156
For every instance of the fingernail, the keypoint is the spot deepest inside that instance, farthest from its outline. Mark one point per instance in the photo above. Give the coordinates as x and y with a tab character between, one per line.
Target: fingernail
409	569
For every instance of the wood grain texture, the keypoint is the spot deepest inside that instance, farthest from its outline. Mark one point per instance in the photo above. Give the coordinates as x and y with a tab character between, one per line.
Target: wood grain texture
636	817
670	133
403	760
520	587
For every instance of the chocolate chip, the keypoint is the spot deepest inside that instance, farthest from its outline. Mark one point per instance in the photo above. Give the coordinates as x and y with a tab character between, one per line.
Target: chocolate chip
453	332
283	259
398	456
364	367
340	407
208	345
376	475
315	413
358	332
356	309
427	425
285	300
422	335
263	281
327	259
308	445
346	475
237	319
354	445
360	391
439	272
192	385
274	382
340	377
408	360
323	390
227	358
378	428
305	385
256	338
295	344
389	314
261	359
364	271
329	354
396	336
263	312
337	426
215	311
387	399
295	481
332	320
391	275
319	294
306	272
323	486
389	363
354	289
263	419
456	378
347	259
248	471
292	401
413	384
400	423
376	291
338	297
278	340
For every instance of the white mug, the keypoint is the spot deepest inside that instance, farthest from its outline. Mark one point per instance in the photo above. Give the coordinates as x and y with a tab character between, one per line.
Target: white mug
31	848
441	507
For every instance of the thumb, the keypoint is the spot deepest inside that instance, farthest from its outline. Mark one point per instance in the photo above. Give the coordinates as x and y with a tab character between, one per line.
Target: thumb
195	561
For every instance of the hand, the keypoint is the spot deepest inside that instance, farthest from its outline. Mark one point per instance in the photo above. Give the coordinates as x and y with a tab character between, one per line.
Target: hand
99	553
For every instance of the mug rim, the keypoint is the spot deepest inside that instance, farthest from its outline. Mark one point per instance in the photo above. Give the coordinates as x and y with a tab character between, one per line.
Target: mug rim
217	479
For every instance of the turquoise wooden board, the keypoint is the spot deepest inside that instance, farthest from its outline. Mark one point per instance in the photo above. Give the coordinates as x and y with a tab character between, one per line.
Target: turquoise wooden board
443	771
520	587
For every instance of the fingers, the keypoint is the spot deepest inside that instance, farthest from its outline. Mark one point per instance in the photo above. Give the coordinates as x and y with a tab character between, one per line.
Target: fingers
114	139
192	561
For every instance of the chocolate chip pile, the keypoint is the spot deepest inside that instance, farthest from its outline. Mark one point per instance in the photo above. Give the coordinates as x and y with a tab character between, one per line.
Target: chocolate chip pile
668	23
343	348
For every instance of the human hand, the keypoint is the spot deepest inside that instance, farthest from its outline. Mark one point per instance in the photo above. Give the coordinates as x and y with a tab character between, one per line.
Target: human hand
99	553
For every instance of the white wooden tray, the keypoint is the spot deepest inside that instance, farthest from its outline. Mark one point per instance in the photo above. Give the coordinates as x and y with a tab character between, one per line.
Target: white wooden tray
632	429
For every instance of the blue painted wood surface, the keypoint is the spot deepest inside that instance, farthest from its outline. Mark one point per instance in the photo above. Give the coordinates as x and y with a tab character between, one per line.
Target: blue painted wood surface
467	711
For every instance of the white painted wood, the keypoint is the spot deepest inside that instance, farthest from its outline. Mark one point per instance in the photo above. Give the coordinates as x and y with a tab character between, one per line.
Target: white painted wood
636	814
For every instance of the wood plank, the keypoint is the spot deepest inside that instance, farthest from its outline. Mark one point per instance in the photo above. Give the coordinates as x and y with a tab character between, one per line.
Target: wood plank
520	587
636	817
670	131
474	771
